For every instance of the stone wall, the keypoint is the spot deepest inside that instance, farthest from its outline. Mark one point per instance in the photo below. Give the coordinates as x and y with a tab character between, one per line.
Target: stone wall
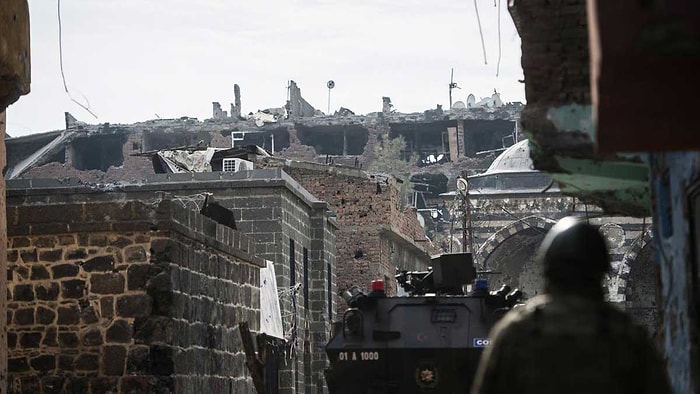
507	228
272	210
108	297
376	235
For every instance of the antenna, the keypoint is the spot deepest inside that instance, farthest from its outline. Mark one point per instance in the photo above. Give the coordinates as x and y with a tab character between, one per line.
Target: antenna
453	85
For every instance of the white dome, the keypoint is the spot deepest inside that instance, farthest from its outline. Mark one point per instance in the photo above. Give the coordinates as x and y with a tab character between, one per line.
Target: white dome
514	159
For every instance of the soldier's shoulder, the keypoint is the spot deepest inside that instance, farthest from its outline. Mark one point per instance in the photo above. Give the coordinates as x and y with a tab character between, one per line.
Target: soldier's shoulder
522	316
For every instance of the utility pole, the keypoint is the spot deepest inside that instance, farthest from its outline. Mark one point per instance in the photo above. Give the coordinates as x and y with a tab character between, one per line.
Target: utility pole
453	85
467	238
330	86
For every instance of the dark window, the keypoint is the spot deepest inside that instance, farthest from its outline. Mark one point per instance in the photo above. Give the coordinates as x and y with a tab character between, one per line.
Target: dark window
292	264
329	293
97	152
306	279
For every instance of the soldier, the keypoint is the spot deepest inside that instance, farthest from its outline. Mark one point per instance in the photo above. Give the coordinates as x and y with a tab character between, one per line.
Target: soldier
569	340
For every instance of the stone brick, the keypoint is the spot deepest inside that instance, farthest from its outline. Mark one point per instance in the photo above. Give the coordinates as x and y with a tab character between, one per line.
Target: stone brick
134	305
20	242
11	339
29	256
121	242
145	384
98	240
76	254
47	292
45	315
87	362
30	385
45	242
73	288
23	293
17	364
68	339
22	271
135	254
66	239
29	339
76	384
153	329
39	272
91	336
65	271
99	263
43	363
107	307
51	256
104	385
24	317
111	283
88	315
138	275
119	331
114	360
161	249
12	256
50	337
138	360
52	384
68	315
66	362
162	360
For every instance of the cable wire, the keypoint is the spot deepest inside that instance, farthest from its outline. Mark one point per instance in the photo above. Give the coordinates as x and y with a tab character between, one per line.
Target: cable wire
60	59
481	33
498	64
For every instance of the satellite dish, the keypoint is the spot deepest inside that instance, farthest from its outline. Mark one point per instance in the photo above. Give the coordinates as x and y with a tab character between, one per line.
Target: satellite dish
459	105
330	84
471	101
462	186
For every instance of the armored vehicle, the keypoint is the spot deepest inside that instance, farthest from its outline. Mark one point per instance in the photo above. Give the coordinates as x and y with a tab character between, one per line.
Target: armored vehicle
429	341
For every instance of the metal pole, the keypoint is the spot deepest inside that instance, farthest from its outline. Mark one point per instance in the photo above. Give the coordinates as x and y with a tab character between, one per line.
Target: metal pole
329	101
467	238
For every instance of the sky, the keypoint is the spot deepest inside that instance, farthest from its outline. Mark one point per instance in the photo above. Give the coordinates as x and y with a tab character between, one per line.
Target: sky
135	60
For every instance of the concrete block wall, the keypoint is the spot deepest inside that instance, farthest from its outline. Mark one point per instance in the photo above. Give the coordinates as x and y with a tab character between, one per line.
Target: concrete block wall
108	297
274	218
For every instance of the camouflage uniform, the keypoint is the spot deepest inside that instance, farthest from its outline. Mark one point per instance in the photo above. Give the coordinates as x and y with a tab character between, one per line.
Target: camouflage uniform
569	343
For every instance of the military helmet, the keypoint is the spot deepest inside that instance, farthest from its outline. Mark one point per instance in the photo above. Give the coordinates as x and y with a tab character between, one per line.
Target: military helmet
574	252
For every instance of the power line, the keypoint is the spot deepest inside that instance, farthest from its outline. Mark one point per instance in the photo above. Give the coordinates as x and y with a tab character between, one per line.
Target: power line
498	64
60	59
481	33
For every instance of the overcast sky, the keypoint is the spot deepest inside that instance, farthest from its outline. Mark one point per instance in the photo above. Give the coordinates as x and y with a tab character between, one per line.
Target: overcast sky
134	60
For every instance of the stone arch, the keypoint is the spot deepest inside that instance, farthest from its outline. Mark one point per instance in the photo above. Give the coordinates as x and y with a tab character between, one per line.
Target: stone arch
511	253
538	222
637	275
621	271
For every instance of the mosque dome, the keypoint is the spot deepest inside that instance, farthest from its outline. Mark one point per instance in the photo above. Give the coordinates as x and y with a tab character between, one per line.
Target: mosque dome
514	159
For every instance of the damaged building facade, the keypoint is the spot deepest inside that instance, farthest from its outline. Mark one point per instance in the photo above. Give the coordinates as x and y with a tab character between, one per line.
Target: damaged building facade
510	207
375	233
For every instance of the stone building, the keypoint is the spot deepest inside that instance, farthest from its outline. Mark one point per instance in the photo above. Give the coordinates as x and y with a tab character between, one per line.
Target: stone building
376	234
511	208
121	296
110	279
